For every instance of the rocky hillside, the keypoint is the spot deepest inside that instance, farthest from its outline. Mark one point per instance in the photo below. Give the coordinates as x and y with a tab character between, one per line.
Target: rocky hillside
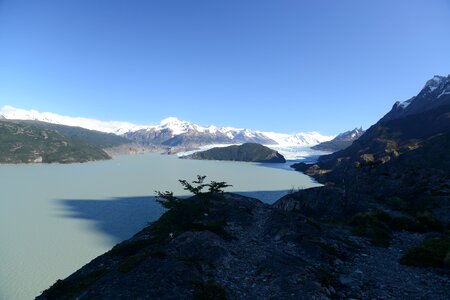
23	143
226	246
404	153
396	175
341	141
250	152
232	248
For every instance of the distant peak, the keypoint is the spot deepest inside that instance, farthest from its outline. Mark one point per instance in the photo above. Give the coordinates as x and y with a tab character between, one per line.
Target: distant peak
171	120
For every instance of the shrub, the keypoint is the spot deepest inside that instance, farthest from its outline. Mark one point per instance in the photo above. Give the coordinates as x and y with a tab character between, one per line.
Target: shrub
69	290
373	225
208	290
429	222
128	248
396	203
325	276
184	214
433	252
329	249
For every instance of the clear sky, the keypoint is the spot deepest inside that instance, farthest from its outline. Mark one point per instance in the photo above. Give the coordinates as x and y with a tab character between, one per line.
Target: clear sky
281	66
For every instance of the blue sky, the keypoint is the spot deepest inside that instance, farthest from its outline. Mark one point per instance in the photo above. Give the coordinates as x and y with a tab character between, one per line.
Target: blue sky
282	66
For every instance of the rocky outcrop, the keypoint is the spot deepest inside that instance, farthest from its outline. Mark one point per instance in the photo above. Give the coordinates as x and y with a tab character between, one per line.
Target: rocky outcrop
322	203
241	248
249	152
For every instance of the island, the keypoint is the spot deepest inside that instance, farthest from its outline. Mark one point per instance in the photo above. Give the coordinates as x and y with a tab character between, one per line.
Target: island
249	152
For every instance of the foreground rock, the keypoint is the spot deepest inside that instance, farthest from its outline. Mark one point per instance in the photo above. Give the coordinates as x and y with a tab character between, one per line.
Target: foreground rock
250	152
240	248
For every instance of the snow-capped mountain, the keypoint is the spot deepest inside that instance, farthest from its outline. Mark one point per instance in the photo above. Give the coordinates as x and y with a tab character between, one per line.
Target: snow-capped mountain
350	135
172	132
341	141
298	139
116	127
435	93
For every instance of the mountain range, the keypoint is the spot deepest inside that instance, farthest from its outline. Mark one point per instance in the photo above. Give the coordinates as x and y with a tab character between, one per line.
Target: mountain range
172	132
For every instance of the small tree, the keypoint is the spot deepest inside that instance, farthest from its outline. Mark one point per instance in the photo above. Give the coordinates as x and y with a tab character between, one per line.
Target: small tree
183	214
196	187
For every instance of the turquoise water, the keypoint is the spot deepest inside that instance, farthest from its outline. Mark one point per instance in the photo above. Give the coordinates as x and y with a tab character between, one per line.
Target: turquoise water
56	218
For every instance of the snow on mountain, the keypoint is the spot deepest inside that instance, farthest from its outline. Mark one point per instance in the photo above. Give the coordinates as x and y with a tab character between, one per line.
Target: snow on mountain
435	82
298	139
116	127
171	127
350	135
434	94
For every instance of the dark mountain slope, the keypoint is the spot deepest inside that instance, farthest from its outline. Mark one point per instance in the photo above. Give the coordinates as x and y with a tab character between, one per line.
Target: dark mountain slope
436	93
402	155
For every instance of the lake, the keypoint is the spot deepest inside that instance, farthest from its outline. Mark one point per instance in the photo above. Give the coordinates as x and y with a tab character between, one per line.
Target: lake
56	218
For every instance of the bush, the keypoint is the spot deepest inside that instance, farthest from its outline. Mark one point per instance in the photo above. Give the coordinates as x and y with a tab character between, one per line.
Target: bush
185	214
325	276
377	225
429	222
433	252
128	248
208	290
396	203
373	225
70	290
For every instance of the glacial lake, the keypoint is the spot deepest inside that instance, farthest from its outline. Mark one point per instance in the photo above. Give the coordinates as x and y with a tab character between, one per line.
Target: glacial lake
56	218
